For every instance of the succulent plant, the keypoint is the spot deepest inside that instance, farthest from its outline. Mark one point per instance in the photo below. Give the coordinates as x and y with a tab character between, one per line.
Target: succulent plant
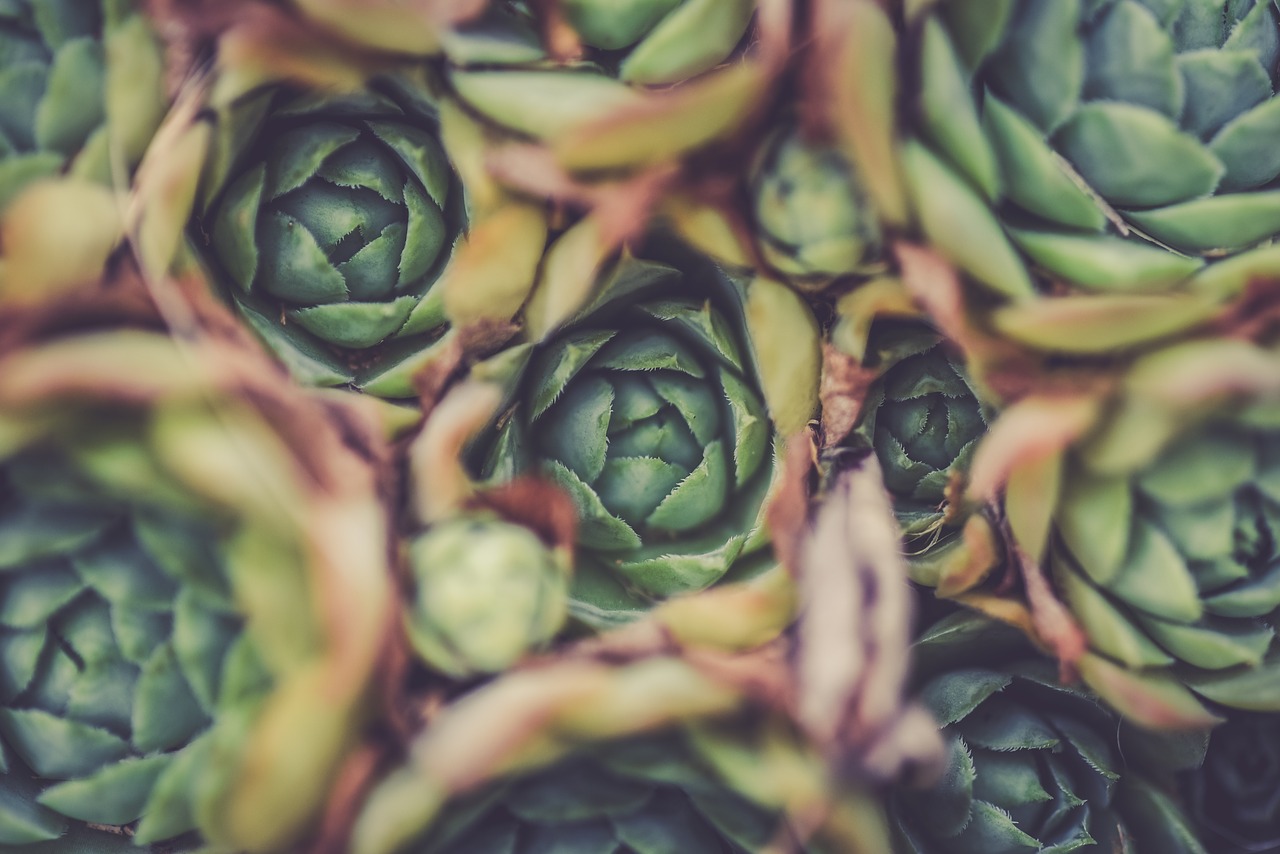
329	220
55	78
486	592
1034	765
1232	795
157	616
647	410
1085	127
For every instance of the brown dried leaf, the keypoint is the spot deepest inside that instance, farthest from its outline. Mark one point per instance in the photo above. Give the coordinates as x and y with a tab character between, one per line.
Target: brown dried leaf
854	633
787	514
537	504
843	391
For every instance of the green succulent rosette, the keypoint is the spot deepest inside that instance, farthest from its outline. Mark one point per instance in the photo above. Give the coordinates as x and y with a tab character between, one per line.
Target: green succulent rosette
1233	795
639	42
813	223
1114	144
486	592
647	410
57	63
923	419
1034	765
161	623
634	756
329	219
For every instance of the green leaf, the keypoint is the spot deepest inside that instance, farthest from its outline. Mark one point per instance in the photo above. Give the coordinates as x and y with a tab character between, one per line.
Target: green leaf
542	104
1258	598
1136	157
31	532
698	498
29	599
575	430
1151	699
1228	222
1007	780
1094	518
103	695
117	794
23	86
1200	468
420	152
201	638
1250	688
1035	176
365	164
372	273
949	115
991	829
58	748
1002	723
953	696
1220	85
355	324
598	528
956	219
19	656
234	225
72	106
751	446
693	400
559	363
1036	69
121	572
1131	59
293	266
649	351
298	153
166	714
1155	577
633	487
694	37
1216	645
665	824
1154	817
976	26
1106	264
425	238
1109	631
575	791
22	819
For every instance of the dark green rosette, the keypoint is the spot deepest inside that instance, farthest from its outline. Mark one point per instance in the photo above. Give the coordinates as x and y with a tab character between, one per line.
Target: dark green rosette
329	218
1234	796
647	410
1115	143
1034	765
55	91
923	420
167	664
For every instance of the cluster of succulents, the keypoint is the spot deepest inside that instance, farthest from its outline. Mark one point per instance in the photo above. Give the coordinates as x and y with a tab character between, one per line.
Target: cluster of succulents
640	426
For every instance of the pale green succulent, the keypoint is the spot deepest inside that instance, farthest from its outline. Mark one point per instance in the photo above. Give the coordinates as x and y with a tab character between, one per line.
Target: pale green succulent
486	592
1100	133
813	220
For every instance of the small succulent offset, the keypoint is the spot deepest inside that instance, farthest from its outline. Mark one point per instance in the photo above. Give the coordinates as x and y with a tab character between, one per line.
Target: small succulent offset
1034	765
646	794
331	227
1234	796
486	592
1100	122
813	220
647	411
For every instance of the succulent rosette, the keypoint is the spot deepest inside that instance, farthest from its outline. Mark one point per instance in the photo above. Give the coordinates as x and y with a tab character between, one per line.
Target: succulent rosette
1232	795
1096	124
54	76
634	755
923	419
1034	765
163	578
329	219
647	409
485	593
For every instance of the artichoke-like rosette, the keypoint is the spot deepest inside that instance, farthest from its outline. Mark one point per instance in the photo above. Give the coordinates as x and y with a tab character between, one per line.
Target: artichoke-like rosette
923	420
1088	124
647	411
1034	765
161	593
812	217
1234	796
331	228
